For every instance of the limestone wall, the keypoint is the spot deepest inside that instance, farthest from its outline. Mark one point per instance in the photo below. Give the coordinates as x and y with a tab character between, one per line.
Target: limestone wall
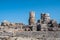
31	35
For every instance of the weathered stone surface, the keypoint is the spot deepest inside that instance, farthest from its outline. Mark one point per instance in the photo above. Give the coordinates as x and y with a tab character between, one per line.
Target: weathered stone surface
31	35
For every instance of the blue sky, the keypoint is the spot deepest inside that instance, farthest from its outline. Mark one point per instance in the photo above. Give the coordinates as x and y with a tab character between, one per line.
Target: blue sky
18	10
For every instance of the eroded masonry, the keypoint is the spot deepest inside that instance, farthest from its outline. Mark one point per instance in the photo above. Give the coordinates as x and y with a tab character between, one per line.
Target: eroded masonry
44	29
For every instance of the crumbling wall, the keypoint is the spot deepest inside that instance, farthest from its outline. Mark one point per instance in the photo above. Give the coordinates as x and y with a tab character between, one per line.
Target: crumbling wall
32	35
